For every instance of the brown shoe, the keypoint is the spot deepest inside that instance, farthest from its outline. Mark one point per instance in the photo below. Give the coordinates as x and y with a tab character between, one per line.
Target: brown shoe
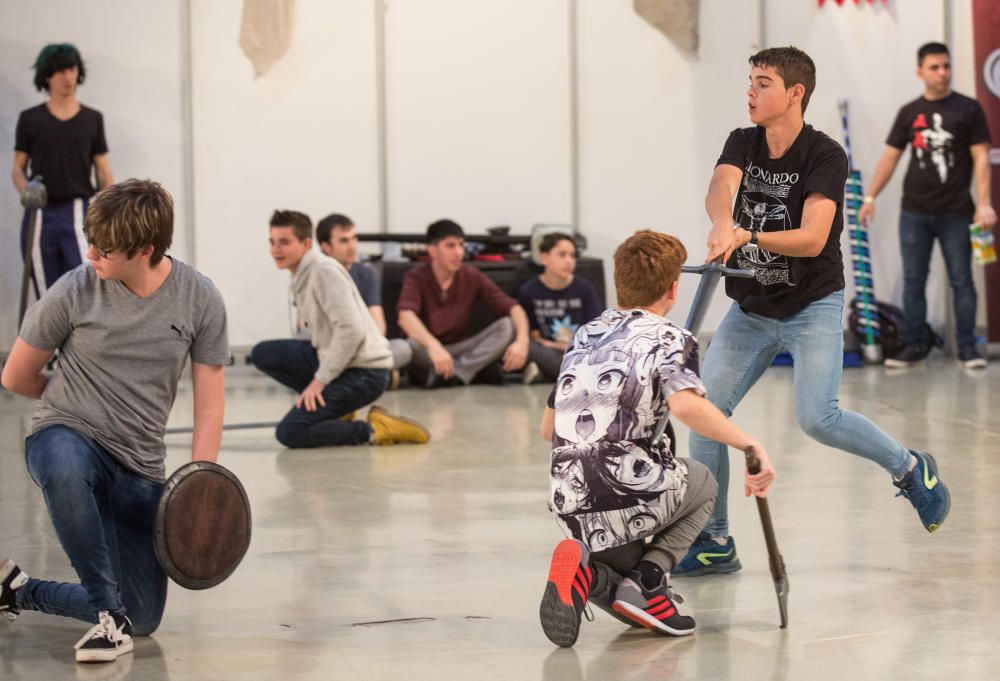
388	429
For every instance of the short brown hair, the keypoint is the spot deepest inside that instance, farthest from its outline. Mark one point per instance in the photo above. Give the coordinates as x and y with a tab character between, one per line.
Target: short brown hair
646	266
129	216
793	65
325	227
302	226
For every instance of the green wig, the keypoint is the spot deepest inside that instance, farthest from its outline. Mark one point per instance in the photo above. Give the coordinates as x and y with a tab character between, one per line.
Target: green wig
55	58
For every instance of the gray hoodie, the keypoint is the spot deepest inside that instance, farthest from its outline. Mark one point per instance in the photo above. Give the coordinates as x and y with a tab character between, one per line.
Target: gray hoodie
336	318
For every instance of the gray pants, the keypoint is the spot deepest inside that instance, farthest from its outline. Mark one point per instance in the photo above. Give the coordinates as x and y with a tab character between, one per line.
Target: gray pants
549	360
401	351
667	547
470	355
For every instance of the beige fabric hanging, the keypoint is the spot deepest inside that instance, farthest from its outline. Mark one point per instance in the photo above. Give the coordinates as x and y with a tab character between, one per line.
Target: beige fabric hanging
676	19
266	33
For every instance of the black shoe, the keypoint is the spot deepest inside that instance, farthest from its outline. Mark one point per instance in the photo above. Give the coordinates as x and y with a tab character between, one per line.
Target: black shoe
909	356
603	590
970	357
491	374
436	380
11	579
106	640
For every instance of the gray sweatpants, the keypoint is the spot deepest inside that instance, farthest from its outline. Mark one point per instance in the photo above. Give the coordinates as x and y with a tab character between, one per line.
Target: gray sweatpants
470	355
668	545
549	360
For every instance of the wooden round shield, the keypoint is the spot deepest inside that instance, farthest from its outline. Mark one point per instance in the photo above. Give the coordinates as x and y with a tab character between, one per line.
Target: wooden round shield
202	525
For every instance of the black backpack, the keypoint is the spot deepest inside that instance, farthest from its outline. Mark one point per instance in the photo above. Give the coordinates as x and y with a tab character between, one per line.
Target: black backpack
890	331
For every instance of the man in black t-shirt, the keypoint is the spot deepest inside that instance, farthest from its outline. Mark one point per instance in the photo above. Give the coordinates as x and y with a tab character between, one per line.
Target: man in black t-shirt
62	142
949	142
776	205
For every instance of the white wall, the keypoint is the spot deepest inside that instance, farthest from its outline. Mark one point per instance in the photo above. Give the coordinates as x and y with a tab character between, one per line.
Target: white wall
478	113
478	117
867	53
134	53
301	137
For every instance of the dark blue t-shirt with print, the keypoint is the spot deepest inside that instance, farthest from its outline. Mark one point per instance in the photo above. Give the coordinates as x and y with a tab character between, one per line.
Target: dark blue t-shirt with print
558	314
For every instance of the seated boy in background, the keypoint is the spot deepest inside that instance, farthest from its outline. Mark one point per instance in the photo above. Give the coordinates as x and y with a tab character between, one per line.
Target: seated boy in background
557	304
630	507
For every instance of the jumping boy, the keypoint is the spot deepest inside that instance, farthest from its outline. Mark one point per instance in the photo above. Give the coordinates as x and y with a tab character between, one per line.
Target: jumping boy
630	507
776	202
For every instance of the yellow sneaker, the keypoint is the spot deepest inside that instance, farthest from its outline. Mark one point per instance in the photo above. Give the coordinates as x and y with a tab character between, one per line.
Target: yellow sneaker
388	429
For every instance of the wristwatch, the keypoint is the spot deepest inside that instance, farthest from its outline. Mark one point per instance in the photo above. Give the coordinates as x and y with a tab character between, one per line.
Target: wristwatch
752	244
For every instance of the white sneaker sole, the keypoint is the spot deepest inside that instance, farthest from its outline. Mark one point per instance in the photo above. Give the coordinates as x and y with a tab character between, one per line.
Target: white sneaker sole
900	364
978	363
108	655
645	619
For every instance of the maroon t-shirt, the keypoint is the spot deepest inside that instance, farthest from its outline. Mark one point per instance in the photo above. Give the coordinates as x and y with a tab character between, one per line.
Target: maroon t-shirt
446	313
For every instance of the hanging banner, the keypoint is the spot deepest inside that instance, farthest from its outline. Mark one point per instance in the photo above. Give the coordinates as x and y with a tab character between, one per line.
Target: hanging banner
986	40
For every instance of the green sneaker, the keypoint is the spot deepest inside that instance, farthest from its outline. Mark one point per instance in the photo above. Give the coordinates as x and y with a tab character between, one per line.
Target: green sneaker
707	557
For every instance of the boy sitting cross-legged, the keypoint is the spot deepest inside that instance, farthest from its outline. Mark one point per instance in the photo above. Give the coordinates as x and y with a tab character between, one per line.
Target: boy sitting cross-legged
629	506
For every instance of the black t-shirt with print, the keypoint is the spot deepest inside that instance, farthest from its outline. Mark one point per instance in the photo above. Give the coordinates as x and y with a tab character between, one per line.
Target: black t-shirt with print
771	197
939	134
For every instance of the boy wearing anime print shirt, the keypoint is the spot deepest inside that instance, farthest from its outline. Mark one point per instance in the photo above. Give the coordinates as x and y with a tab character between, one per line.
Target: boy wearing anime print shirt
776	205
630	508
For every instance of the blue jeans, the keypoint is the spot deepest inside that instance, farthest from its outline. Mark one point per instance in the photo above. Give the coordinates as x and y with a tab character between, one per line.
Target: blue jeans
743	348
293	363
917	232
104	517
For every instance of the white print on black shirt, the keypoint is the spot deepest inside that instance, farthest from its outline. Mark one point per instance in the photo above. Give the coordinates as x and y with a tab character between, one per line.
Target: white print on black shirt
553	315
936	143
762	209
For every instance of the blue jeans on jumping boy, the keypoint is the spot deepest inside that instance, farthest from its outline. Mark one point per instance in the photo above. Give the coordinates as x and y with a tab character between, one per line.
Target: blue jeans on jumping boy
104	517
917	232
743	348
293	363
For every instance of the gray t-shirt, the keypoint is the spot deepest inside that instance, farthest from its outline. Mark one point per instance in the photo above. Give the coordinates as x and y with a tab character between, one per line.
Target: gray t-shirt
121	356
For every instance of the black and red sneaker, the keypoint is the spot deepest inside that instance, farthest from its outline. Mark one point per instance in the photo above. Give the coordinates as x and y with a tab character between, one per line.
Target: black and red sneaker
657	609
565	597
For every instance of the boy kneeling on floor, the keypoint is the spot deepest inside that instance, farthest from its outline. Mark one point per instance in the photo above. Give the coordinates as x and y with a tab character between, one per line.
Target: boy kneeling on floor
630	507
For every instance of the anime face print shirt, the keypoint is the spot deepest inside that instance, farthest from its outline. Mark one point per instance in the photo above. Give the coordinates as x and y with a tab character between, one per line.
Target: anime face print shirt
611	484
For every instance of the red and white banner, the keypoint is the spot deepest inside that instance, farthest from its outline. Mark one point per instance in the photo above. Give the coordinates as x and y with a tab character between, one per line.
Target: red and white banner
856	2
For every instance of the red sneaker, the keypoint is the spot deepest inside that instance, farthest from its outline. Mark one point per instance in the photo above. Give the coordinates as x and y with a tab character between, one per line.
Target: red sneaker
565	597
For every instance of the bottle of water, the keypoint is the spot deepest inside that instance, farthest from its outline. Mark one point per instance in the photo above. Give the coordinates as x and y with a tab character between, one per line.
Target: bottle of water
983	250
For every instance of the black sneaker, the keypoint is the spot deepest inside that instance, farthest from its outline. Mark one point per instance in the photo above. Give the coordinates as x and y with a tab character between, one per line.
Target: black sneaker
11	579
491	374
106	640
658	609
970	357
565	597
909	356
603	590
436	380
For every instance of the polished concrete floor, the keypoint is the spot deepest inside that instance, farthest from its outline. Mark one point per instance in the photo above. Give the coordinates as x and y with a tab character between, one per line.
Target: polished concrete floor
428	562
